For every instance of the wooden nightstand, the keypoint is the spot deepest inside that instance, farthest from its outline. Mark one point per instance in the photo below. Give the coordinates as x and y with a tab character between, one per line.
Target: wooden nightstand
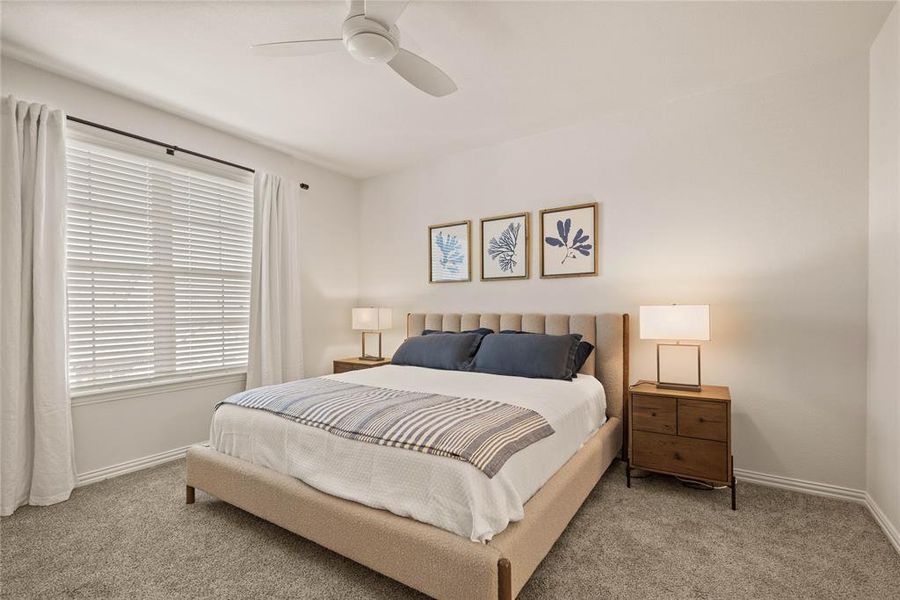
342	365
686	434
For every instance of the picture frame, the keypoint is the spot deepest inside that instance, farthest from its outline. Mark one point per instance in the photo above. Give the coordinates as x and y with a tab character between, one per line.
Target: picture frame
569	241
450	252
506	247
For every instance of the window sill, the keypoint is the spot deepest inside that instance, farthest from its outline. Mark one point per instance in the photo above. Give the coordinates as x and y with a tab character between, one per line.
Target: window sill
125	392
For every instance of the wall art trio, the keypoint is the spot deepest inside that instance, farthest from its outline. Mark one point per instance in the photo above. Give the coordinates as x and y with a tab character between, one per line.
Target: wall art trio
568	246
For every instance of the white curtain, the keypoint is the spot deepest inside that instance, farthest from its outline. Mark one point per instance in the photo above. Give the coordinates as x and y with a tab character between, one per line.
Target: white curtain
276	351
36	455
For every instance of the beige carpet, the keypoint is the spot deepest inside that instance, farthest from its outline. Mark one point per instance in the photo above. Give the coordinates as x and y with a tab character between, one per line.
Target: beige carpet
133	537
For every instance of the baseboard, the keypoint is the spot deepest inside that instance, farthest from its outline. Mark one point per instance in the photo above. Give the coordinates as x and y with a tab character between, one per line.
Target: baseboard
888	527
130	466
827	490
801	485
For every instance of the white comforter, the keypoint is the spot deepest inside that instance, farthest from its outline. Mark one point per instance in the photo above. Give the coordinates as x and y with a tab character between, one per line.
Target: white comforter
443	492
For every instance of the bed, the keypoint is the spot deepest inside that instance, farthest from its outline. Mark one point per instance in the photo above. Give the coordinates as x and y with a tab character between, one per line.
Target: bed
482	548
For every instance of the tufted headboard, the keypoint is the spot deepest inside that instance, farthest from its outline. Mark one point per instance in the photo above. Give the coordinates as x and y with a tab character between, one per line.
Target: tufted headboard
608	332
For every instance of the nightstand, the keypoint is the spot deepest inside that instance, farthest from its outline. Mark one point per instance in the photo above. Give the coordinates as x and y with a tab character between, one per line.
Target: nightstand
342	365
686	434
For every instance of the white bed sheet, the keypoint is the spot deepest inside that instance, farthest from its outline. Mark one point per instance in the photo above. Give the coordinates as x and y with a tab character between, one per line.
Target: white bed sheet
440	491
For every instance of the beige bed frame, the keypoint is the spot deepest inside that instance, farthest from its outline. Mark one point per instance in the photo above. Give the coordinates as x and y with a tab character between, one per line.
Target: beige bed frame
434	561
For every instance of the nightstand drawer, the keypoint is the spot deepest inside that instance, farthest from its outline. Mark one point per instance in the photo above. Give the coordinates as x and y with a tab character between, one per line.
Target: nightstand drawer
653	413
700	419
688	457
344	367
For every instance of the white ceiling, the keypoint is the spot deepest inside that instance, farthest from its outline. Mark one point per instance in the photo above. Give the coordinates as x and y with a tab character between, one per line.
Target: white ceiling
521	67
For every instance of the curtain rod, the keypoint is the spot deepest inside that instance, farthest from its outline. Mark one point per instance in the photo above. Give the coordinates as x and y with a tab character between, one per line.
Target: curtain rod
171	149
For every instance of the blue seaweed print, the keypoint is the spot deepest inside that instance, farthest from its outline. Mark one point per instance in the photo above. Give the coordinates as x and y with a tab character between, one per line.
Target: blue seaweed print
451	259
578	245
503	249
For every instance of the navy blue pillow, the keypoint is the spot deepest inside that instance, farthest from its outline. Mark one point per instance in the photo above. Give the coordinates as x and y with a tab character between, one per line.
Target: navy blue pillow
536	355
480	331
581	355
448	351
582	352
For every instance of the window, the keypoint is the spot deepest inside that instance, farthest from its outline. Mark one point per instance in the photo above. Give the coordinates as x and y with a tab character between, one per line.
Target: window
158	268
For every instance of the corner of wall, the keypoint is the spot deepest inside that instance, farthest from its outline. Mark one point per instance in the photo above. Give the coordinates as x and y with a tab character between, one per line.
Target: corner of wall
883	303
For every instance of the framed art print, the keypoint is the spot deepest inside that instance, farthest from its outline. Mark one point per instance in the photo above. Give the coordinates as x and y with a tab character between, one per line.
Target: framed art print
449	247
569	241
505	247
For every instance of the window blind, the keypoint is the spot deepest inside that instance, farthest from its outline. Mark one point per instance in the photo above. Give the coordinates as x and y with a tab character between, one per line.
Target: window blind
158	268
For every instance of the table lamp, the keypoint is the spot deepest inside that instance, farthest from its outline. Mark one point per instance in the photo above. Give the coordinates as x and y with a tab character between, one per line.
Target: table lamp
677	365
371	320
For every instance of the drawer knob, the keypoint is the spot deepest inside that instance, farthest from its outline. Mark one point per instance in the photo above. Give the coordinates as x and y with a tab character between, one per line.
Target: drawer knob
677	456
652	414
700	419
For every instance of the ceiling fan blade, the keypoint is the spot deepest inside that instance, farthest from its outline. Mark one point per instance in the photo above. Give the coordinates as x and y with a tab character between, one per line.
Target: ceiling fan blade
385	12
298	47
422	74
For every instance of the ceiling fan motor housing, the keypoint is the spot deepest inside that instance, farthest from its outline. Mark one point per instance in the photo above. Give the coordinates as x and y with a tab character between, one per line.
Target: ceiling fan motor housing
369	41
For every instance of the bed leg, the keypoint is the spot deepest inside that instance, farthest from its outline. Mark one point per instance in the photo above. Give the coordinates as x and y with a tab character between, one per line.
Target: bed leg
188	494
504	576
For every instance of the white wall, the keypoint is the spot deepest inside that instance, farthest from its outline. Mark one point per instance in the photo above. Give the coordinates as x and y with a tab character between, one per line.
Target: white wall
750	198
883	460
124	429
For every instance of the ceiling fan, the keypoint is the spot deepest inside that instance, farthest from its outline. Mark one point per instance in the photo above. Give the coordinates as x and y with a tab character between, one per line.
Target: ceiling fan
370	35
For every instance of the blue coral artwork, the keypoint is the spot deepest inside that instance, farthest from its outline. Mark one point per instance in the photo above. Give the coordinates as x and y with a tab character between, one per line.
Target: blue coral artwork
504	247
449	252
569	241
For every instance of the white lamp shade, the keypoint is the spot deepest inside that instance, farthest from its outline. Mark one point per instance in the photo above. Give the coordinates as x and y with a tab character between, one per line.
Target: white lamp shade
675	322
371	319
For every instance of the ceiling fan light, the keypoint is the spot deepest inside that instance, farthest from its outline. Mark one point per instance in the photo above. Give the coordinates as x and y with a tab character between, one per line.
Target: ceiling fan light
369	47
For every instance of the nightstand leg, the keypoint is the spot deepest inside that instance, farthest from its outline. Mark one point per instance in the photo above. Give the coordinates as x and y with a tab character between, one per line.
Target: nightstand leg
628	474
733	483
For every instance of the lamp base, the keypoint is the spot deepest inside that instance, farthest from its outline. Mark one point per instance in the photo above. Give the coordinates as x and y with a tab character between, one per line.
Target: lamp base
683	387
369	357
681	368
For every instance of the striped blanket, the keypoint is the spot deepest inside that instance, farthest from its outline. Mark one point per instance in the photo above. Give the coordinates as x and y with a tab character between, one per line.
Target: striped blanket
484	433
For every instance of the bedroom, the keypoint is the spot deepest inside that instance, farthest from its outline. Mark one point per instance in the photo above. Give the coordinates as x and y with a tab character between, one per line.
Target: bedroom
733	162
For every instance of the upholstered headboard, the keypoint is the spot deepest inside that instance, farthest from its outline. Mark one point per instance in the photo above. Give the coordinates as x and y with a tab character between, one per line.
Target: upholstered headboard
608	333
